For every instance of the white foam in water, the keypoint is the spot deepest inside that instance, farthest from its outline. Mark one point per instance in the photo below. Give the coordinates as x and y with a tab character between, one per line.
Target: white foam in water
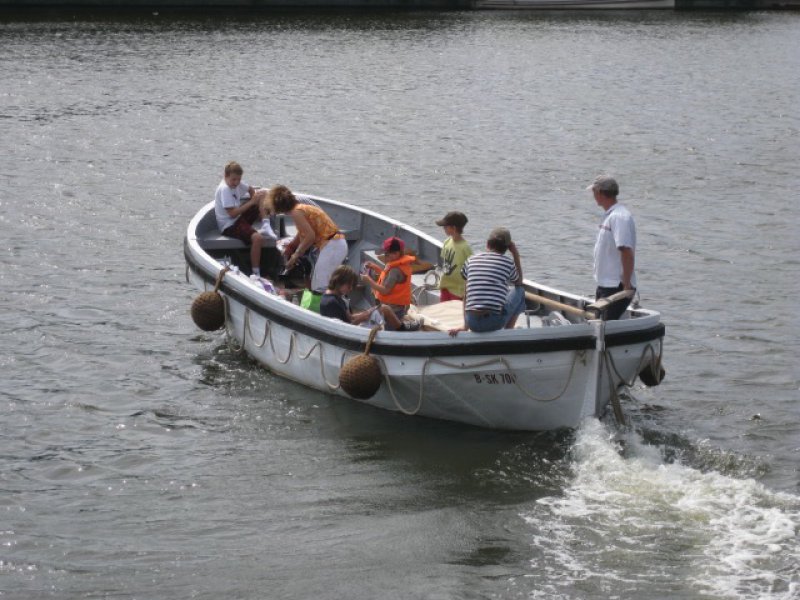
634	526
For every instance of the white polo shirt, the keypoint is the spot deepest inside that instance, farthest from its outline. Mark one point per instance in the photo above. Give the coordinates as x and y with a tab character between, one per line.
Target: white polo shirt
617	230
227	197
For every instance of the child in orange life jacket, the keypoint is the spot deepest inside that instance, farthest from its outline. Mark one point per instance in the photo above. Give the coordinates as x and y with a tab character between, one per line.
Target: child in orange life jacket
393	287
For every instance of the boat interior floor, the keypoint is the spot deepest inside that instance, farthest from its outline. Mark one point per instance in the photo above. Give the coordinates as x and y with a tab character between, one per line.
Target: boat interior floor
432	314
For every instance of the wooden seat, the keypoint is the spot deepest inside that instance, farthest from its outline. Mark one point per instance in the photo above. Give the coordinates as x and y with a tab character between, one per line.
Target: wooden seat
443	316
212	239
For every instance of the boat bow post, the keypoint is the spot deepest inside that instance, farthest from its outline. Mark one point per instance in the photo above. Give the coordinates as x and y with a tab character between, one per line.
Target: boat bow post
592	390
593	394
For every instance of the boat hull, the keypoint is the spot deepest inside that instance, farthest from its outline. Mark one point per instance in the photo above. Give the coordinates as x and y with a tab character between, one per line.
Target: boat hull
531	391
518	379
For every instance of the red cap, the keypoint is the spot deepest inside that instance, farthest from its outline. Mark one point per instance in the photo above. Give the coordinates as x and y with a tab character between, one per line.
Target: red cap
393	244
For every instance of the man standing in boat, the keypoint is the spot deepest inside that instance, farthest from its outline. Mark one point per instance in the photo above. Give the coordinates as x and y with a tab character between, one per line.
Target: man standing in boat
615	248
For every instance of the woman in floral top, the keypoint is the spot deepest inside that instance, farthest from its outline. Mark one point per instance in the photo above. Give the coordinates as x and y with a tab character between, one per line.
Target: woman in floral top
314	229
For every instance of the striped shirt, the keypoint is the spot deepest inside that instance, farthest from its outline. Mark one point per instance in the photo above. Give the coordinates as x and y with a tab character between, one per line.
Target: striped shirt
488	276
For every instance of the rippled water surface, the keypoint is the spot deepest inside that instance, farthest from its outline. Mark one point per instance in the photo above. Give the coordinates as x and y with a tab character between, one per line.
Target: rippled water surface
140	458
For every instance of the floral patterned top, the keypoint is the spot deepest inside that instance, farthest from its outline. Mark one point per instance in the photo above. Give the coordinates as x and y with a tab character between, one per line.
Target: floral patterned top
324	227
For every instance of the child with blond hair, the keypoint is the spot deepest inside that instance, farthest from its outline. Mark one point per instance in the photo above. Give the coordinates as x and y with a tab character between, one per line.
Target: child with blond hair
236	209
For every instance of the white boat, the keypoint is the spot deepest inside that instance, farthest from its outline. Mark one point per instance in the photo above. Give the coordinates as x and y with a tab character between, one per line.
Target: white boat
559	366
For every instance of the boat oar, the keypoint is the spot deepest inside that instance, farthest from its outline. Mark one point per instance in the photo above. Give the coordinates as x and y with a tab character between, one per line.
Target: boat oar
592	311
560	305
603	304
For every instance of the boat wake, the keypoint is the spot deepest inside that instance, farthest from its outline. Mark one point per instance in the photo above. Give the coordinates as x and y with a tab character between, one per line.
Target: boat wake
633	524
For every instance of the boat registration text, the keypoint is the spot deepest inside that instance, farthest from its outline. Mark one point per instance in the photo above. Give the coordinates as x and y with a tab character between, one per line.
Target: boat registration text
495	378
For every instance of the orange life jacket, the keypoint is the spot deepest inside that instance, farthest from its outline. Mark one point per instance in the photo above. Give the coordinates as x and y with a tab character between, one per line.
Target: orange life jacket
400	294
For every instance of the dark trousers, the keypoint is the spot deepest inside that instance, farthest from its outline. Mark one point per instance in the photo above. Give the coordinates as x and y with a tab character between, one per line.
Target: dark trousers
615	311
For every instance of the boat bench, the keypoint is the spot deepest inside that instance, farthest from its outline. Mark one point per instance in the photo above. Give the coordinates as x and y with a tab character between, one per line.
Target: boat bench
442	316
213	240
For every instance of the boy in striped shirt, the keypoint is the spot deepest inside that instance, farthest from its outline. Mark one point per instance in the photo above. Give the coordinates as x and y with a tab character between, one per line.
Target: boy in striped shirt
489	304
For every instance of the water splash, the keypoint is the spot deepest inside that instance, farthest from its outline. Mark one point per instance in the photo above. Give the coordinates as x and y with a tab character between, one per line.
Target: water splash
632	525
